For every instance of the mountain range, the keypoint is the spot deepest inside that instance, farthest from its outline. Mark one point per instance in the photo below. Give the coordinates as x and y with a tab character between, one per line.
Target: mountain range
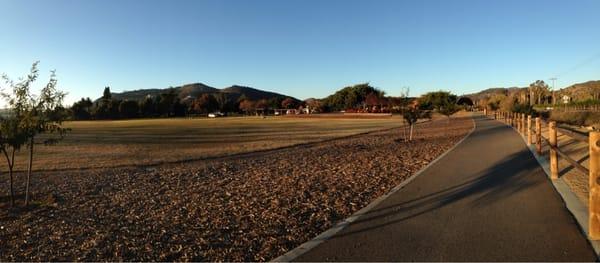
578	91
195	90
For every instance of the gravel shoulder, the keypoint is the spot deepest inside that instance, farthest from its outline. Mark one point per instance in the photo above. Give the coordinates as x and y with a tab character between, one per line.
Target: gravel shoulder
248	208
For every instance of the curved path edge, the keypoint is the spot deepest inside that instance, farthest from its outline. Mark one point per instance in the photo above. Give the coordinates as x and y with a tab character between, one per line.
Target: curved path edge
327	234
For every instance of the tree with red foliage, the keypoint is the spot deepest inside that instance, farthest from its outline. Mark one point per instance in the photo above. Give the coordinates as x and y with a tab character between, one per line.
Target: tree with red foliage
246	105
204	104
288	103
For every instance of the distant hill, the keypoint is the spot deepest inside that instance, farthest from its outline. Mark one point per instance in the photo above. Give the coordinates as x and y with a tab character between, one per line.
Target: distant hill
251	93
491	91
582	91
577	92
194	90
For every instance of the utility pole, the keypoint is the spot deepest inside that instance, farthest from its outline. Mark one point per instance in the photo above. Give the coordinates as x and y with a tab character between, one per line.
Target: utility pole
553	91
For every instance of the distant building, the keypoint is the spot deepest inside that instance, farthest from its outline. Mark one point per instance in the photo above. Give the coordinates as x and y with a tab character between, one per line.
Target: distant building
188	99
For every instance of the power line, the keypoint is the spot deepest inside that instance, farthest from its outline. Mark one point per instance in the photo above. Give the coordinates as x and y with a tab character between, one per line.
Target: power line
579	65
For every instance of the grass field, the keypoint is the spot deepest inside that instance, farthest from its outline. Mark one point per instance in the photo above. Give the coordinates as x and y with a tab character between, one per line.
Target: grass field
93	144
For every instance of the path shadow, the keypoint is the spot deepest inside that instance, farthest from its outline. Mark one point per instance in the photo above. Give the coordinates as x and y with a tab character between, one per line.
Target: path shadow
514	174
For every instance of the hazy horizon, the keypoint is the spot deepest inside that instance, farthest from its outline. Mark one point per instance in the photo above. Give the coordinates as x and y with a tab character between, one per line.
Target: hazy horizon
301	48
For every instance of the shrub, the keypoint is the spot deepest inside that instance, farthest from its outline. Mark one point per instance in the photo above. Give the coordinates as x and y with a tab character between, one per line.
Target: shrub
572	118
524	108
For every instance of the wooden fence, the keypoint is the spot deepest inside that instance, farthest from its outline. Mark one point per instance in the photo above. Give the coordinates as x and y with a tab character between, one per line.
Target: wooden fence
576	108
531	129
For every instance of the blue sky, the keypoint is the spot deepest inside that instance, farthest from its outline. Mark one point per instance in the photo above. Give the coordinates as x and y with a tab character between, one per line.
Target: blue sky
302	48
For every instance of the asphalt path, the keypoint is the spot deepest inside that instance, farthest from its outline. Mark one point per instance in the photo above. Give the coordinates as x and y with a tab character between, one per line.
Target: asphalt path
486	200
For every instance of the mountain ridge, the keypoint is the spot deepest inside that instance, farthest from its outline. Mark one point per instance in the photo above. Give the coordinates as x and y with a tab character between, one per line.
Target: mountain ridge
194	90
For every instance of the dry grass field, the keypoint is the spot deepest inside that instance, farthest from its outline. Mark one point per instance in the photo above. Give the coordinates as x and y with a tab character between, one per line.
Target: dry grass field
251	207
101	144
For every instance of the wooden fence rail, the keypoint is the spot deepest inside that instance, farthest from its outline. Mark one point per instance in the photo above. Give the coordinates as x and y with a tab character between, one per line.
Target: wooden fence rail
532	133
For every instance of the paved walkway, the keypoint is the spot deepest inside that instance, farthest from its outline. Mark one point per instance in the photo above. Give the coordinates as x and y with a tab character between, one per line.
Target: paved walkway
487	200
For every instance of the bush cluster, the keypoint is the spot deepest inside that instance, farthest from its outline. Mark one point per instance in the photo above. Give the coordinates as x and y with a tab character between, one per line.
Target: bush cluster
576	118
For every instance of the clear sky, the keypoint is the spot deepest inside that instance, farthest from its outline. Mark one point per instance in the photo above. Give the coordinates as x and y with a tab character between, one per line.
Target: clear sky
302	48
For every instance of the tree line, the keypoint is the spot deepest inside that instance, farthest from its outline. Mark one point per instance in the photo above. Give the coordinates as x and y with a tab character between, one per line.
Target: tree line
168	104
521	100
357	98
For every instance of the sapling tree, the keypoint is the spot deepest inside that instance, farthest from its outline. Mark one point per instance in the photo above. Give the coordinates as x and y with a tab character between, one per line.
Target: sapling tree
30	115
411	112
411	115
44	115
12	138
13	132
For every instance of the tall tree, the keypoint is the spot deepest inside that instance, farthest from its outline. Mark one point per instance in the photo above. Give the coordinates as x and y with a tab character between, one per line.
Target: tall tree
129	109
540	90
246	106
82	109
166	102
437	100
223	102
204	104
288	103
106	95
106	108
350	97
148	107
314	106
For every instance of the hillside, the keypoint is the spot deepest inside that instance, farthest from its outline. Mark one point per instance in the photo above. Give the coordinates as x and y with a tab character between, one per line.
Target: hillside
582	91
251	93
491	91
194	90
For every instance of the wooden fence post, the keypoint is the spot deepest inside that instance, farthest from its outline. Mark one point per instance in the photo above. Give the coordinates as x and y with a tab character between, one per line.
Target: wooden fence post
512	119
594	195
523	125
518	120
538	135
553	154
528	130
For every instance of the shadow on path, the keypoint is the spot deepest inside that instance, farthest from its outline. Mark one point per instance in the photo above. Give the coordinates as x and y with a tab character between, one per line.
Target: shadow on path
501	180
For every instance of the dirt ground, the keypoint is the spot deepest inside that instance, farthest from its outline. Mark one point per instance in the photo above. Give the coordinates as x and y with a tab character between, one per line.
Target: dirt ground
250	207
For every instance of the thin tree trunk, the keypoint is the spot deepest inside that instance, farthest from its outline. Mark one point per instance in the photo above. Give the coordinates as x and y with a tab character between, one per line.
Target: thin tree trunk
10	174
404	132
411	132
29	171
